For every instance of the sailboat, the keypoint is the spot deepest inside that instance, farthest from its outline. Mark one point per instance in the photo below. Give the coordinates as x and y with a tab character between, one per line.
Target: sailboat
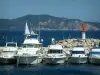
29	53
27	32
32	32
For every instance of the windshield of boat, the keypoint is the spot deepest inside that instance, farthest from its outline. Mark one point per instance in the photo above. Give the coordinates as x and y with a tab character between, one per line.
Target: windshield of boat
31	45
55	51
11	45
77	52
94	52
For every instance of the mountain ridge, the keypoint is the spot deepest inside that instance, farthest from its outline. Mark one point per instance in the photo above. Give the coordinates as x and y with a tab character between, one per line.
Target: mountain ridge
46	22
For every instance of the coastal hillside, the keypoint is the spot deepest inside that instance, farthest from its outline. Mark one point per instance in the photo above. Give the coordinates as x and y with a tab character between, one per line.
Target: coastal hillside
46	22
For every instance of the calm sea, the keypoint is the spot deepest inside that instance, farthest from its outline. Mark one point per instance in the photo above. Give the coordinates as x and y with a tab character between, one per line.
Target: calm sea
18	36
68	69
83	69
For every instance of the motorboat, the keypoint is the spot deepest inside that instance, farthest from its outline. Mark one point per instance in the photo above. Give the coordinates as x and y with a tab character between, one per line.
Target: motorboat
30	52
8	52
94	55
78	55
55	55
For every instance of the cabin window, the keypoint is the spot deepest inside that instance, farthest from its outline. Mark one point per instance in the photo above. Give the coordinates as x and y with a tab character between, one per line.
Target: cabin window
55	51
36	45
27	46
77	52
94	52
31	46
14	45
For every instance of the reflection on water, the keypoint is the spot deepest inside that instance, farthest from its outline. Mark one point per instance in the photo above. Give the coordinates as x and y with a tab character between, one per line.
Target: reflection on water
6	69
83	69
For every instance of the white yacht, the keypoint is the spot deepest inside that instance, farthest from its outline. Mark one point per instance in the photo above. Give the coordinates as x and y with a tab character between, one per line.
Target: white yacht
55	55
94	56
8	52
78	55
29	53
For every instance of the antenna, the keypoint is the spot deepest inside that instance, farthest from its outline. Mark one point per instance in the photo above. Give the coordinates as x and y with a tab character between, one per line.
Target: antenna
15	39
63	30
63	34
39	27
12	39
3	37
69	34
6	38
31	30
31	25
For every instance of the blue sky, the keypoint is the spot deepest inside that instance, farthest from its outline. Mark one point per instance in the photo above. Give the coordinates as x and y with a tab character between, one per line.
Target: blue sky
86	10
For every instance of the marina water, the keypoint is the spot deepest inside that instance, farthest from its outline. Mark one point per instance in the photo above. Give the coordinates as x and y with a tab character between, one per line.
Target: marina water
46	35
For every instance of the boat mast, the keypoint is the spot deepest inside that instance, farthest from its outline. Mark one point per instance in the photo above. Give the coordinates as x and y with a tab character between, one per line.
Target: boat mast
31	30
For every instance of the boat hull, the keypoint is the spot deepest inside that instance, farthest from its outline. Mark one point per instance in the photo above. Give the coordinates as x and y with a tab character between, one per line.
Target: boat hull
28	59
94	60
78	60
7	60
54	60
